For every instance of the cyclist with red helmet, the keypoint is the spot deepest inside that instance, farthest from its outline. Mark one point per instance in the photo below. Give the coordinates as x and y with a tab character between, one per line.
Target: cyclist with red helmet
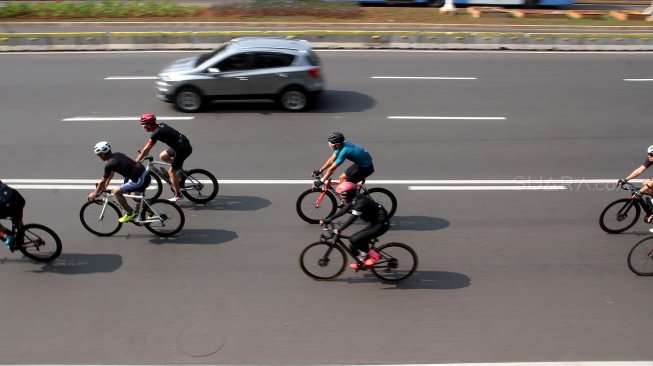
345	150
363	207
179	148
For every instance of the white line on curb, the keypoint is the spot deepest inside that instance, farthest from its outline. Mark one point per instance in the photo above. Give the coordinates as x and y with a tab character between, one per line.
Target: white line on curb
423	77
447	118
131	78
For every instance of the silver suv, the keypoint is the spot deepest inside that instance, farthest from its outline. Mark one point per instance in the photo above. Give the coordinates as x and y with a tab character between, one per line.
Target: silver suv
284	70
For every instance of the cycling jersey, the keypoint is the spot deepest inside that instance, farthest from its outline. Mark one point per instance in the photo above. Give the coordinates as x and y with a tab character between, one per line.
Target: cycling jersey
357	154
170	137
123	165
368	210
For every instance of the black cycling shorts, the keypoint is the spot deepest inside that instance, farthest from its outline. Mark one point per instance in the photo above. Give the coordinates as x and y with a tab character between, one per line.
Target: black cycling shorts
356	174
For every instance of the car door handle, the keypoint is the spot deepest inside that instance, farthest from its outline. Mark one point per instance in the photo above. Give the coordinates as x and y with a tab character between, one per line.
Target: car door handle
243	78
282	75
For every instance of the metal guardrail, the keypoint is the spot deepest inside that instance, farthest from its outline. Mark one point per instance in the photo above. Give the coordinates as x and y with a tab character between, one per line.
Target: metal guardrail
333	39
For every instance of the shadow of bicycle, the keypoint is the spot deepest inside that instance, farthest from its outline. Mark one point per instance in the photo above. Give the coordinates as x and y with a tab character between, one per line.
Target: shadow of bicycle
74	264
229	203
198	237
420	280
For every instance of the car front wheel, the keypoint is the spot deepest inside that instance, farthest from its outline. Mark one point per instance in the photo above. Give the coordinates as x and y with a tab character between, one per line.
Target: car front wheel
294	99
188	100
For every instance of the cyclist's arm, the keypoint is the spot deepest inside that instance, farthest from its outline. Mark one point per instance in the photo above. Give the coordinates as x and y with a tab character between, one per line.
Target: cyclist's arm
343	210
636	172
102	184
145	150
349	221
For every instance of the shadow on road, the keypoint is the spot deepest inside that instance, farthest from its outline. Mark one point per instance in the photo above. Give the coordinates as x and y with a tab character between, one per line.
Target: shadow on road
420	280
72	264
198	237
418	223
229	203
331	101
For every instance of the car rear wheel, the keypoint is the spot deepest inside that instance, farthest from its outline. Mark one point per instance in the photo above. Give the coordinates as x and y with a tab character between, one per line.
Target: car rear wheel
188	100
294	99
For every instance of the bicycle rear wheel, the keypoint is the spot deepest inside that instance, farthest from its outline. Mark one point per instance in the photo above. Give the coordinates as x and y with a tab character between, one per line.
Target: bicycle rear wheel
398	261
310	210
99	219
199	185
40	243
619	216
640	258
169	218
322	261
384	197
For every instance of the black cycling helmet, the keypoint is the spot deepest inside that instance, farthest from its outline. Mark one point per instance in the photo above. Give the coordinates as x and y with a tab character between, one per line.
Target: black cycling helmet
336	138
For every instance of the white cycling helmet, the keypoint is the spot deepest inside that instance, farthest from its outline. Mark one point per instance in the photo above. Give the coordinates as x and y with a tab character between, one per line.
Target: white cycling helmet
650	149
102	147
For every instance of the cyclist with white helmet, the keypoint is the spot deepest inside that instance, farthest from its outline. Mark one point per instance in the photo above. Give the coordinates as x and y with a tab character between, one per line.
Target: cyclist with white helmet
179	150
363	207
120	163
647	187
361	168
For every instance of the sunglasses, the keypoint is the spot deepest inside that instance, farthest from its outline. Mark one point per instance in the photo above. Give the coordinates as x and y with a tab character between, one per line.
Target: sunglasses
650	154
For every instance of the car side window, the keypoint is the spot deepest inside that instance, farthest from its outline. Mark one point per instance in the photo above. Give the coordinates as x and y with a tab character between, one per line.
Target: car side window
267	60
237	62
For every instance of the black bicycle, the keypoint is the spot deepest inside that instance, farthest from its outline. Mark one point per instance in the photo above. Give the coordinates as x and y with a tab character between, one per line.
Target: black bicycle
36	241
640	257
316	203
327	258
623	213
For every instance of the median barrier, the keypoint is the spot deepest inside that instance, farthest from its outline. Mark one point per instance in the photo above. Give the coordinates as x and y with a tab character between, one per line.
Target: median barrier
205	40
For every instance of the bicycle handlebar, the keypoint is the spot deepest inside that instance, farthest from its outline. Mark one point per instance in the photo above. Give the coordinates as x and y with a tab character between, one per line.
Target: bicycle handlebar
627	186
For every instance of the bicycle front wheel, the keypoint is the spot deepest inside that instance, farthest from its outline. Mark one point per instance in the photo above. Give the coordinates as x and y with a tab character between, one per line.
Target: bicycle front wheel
384	197
398	261
199	185
100	219
311	207
322	261
619	216
640	258
40	243
168	219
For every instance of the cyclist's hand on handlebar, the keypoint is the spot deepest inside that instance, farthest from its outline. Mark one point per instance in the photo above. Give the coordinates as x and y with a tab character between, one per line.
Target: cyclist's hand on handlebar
317	183
637	195
91	196
316	173
621	182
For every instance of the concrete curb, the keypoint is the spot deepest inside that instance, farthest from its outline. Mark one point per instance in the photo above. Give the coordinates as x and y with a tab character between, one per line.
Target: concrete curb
330	39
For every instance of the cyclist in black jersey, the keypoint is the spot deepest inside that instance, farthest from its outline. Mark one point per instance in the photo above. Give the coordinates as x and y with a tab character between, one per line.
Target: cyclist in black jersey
365	208
647	186
12	204
119	163
179	150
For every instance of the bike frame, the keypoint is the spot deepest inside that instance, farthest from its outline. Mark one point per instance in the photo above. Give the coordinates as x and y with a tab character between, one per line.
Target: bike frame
338	241
108	196
640	201
328	186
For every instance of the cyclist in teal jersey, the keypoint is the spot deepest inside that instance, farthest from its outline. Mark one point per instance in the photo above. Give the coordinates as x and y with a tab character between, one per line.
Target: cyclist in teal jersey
361	168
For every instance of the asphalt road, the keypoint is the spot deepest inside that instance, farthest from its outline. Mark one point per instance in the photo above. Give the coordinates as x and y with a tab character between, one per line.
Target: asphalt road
504	275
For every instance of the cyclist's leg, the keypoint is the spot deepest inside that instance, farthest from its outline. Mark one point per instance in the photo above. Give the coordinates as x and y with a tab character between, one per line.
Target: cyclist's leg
139	186
356	174
167	155
176	164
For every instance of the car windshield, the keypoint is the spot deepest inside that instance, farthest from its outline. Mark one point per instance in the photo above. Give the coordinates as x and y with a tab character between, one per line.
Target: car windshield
205	56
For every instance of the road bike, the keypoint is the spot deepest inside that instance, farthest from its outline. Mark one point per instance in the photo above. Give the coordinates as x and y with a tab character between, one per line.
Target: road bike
161	217
198	185
640	257
36	241
317	203
327	258
623	213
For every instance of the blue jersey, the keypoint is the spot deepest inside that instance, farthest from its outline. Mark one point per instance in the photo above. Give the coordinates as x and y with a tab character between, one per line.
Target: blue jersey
357	154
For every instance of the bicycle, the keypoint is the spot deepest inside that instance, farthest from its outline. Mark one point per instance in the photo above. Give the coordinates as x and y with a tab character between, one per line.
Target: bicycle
327	258
198	185
312	206
36	241
623	213
640	258
161	217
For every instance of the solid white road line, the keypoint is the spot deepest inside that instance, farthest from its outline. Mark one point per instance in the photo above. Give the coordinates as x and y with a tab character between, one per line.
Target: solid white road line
131	78
103	119
446	118
487	188
638	79
423	77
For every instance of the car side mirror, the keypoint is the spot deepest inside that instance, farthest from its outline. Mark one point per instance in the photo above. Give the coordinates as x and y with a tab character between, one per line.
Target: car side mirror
213	70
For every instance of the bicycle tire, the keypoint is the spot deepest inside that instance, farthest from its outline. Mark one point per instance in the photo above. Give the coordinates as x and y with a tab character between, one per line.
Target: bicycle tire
40	243
196	188
398	261
384	197
306	206
97	222
640	258
155	188
172	222
320	261
618	221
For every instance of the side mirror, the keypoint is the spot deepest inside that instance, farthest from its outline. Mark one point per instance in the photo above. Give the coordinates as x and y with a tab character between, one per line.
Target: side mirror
213	70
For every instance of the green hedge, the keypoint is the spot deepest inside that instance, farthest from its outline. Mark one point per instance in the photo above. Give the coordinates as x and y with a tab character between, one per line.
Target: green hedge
94	9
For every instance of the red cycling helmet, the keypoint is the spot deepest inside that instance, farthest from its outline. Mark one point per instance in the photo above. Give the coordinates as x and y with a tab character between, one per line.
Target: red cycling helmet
148	119
347	189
